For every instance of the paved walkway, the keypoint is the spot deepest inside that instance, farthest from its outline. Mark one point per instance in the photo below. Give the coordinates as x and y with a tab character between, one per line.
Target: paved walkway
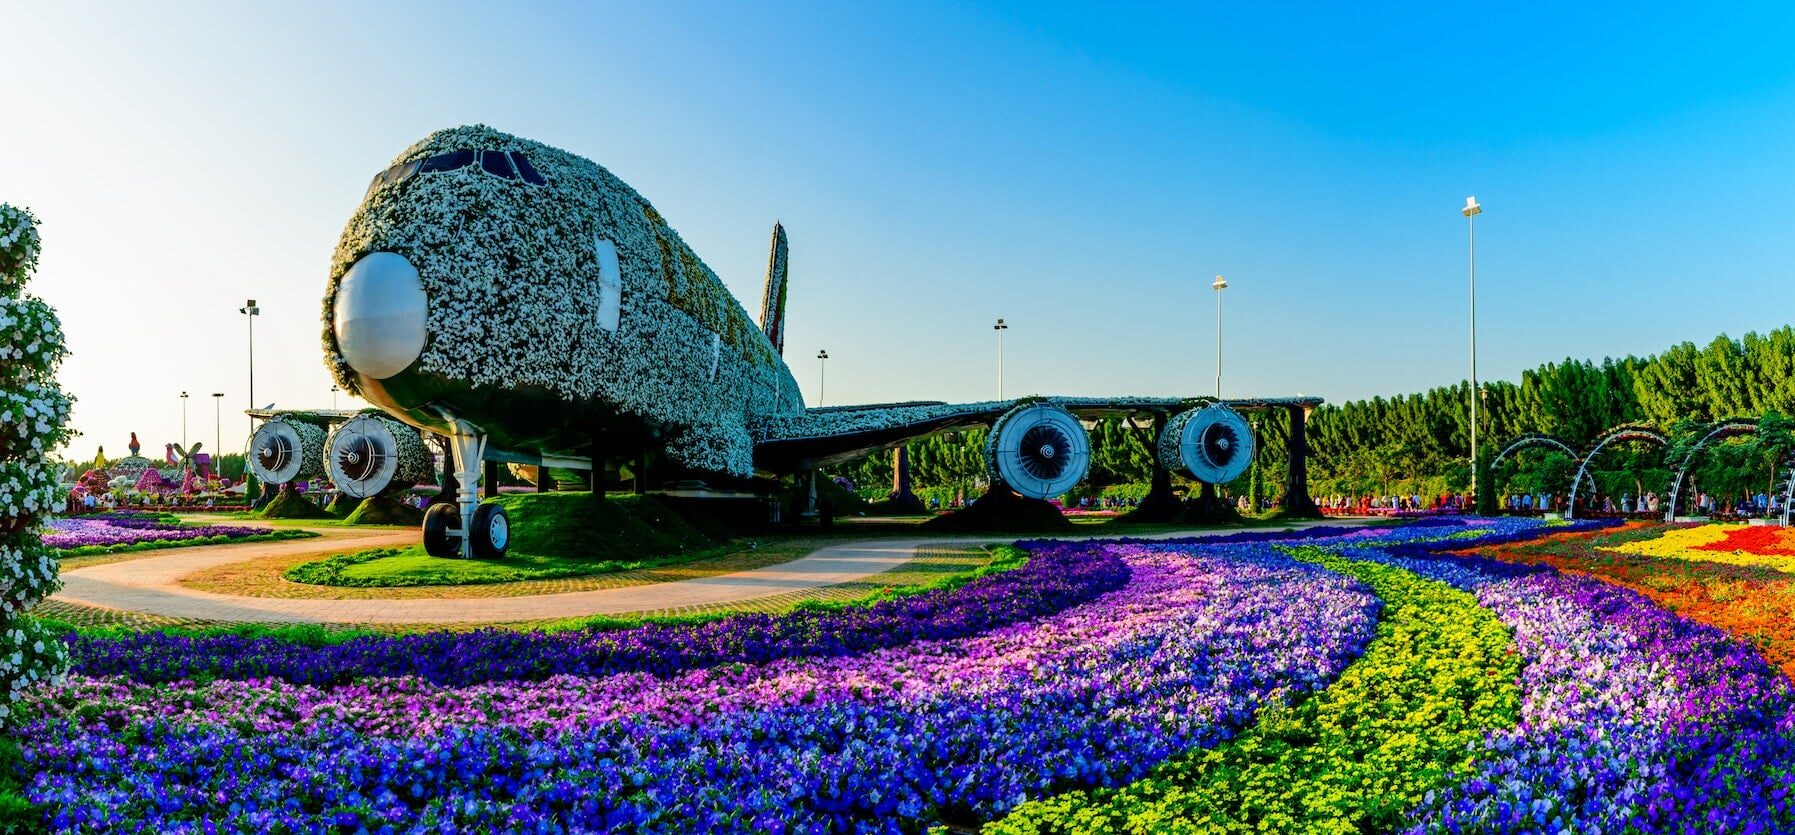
151	584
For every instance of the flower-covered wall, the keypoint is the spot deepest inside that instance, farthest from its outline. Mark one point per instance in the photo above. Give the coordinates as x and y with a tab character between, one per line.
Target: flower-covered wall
518	299
33	418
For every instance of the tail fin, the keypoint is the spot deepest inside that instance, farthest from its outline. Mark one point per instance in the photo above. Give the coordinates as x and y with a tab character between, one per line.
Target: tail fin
772	305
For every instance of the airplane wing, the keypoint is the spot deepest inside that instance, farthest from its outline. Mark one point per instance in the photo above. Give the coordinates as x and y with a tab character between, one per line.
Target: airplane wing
826	436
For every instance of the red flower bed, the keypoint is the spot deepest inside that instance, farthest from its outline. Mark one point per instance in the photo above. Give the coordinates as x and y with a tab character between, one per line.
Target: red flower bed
1759	539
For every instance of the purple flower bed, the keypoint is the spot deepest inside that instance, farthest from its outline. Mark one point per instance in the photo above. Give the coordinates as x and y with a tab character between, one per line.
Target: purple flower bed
115	529
954	728
1053	580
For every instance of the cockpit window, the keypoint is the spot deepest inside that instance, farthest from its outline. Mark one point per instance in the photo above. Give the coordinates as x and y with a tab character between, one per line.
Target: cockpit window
447	162
526	170
497	163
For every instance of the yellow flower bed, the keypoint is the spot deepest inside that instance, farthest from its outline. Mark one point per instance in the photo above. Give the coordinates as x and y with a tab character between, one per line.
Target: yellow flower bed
1686	544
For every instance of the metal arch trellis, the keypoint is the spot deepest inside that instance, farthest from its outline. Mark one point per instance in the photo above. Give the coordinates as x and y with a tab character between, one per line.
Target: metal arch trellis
1722	430
1627	432
1535	439
1789	493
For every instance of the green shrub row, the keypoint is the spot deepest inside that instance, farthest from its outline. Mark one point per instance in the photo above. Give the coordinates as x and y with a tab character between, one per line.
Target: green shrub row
1439	673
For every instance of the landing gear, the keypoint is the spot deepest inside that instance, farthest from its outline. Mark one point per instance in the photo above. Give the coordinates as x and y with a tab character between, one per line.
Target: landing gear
442	531
491	531
487	530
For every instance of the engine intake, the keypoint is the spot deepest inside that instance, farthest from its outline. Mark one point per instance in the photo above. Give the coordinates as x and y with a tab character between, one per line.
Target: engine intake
371	455
1039	450
286	450
1214	445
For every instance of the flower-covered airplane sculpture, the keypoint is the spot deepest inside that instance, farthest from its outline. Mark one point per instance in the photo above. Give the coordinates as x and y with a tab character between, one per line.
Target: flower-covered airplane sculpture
531	307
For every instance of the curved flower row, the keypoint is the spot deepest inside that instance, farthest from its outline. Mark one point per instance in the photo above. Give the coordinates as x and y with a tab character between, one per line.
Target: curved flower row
1633	719
1756	605
1354	758
1054	579
956	730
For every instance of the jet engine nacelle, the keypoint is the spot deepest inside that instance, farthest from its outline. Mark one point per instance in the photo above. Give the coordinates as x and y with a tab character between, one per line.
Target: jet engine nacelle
286	449
1039	450
371	455
1214	445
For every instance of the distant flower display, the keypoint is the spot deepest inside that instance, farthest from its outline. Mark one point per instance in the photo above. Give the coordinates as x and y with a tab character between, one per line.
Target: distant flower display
124	529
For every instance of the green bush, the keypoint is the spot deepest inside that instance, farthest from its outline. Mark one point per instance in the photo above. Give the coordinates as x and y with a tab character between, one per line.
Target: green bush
1438	675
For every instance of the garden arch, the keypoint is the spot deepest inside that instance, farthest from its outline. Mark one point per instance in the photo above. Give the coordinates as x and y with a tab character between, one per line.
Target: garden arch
1721	431
1627	432
1533	439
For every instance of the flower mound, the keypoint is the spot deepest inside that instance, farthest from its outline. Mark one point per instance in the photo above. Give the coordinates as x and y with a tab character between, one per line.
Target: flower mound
836	727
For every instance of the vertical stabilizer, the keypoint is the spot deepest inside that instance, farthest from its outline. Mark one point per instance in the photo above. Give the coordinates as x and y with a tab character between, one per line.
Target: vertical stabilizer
772	305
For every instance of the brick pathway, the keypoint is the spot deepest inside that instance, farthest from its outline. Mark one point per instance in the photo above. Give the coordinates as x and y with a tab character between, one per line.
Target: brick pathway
151	585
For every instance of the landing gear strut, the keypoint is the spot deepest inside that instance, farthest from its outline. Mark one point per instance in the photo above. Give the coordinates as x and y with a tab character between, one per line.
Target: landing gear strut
467	528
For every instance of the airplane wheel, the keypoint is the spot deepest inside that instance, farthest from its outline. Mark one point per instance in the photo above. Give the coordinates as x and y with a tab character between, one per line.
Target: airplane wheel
441	539
491	531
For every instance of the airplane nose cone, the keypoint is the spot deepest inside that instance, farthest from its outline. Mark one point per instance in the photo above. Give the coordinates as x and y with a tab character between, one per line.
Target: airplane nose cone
380	313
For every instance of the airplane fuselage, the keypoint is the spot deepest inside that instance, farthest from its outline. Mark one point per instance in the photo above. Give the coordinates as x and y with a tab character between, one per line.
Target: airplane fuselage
496	284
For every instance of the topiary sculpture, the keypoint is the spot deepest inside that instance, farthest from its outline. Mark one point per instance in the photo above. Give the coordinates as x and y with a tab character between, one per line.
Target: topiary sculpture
33	418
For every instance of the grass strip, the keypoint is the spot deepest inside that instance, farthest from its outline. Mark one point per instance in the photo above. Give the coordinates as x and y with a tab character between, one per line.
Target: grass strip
1439	674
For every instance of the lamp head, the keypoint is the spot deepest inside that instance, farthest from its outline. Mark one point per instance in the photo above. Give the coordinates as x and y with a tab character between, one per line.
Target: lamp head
1000	326
1471	207
218	394
822	355
1219	283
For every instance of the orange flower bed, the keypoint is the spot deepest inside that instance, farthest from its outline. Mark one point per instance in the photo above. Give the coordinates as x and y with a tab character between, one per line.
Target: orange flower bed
1754	603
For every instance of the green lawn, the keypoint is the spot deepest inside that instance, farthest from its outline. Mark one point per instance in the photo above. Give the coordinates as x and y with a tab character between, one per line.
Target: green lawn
390	567
553	536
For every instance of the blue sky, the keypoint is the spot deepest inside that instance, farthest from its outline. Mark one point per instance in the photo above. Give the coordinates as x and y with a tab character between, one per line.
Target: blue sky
1083	173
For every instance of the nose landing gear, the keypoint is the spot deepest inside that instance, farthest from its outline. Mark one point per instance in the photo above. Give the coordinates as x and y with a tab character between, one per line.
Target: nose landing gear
486	533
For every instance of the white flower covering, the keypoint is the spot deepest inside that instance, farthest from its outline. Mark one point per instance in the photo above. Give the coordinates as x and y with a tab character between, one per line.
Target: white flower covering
514	291
32	419
19	247
33	414
31	343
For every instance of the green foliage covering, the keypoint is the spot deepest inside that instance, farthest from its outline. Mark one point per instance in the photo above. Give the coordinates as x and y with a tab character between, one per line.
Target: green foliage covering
1437	676
341	506
576	525
289	504
384	510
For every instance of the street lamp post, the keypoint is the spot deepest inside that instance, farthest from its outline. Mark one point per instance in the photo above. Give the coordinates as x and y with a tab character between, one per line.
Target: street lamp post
183	419
822	380
1219	284
333	397
218	421
1000	327
1471	211
250	310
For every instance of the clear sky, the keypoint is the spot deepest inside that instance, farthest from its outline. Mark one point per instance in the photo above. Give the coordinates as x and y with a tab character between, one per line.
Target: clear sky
1082	173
